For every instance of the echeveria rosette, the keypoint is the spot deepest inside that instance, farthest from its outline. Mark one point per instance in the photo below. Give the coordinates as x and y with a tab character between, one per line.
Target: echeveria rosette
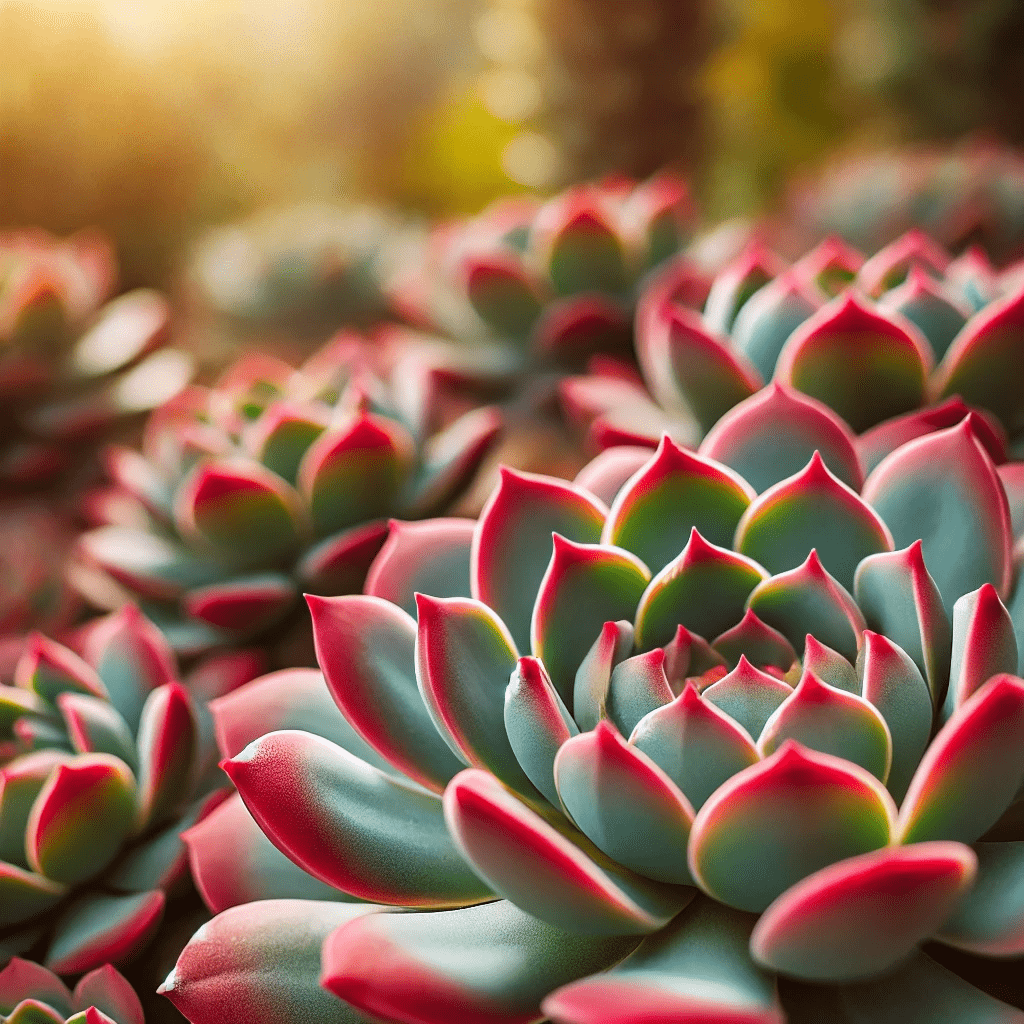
72	363
895	344
756	737
275	481
558	281
30	994
105	758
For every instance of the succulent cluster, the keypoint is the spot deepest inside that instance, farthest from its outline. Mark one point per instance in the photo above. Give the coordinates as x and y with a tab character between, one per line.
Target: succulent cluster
767	739
273	481
30	994
896	344
105	758
299	274
960	197
71	362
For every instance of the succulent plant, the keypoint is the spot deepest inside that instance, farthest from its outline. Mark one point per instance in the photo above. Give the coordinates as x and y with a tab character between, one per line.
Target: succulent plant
551	284
297	275
30	994
963	196
73	364
766	742
908	339
105	757
272	480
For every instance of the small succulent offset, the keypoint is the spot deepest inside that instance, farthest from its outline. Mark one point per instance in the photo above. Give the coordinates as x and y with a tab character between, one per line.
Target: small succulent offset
30	994
766	741
274	480
907	337
552	284
104	759
72	363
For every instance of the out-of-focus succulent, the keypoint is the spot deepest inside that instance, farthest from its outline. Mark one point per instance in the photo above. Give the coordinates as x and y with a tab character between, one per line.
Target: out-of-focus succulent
551	283
30	994
73	364
762	732
276	480
106	757
898	345
971	195
291	278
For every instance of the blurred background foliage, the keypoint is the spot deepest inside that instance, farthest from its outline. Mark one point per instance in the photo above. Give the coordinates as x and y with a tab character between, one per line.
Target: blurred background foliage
158	120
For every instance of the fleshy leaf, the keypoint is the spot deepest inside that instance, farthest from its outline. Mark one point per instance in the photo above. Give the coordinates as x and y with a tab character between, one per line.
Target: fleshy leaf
894	685
49	669
751	270
81	817
809	600
926	304
110	993
862	916
832	721
811	510
244	512
354	472
971	770
526	860
98	929
687	366
748	696
890	265
338	564
337	817
832	265
512	545
769	317
502	293
698	746
132	658
605	475
943	489
674	493
590	688
705	589
282	435
585	586
865	366
983	645
829	666
1012	476
20	782
625	804
878	442
638	686
233	862
32	1011
245	604
696	969
293	698
431	557
983	363
22	979
95	727
464	657
168	741
990	918
491	964
772	435
763	646
24	894
783	819
366	648
537	723
900	600
261	960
